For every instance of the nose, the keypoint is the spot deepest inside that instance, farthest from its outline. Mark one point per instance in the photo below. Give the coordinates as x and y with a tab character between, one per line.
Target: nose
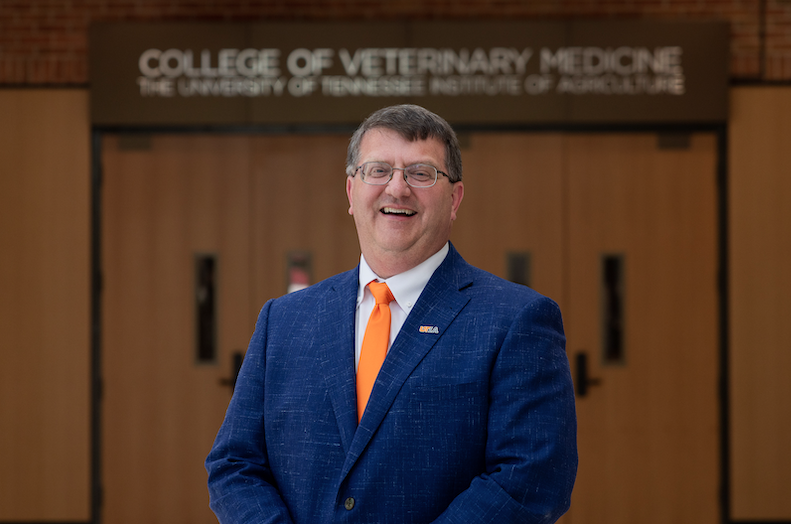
397	187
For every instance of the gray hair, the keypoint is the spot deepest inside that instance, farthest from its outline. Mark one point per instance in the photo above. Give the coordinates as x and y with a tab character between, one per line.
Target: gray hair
413	123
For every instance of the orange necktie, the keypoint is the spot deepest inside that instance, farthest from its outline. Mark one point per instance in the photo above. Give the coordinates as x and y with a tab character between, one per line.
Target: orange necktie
374	349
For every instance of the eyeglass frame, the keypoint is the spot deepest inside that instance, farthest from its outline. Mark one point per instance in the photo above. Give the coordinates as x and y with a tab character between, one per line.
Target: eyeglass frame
403	170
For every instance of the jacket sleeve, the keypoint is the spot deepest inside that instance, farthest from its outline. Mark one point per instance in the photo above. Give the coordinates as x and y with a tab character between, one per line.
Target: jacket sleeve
531	451
241	485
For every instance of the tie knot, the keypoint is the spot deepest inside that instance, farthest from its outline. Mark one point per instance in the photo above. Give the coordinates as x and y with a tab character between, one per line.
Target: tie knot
381	292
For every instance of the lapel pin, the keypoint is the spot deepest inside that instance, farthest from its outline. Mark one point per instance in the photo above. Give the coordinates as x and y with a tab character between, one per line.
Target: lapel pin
429	329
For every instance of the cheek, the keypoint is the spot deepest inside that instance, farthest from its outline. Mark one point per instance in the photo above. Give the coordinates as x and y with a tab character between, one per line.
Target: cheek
363	201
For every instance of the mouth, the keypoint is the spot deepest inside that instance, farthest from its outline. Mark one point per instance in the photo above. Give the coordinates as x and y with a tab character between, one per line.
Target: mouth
398	211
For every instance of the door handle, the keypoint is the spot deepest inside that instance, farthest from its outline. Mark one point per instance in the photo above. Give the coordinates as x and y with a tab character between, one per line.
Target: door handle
582	378
236	364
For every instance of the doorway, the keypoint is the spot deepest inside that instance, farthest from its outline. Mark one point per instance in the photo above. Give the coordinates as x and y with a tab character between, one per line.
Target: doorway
619	229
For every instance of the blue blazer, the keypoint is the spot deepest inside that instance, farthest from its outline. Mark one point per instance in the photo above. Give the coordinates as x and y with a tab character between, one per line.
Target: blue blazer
471	418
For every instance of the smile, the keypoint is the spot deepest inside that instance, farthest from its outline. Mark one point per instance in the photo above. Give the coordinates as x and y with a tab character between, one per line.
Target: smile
395	211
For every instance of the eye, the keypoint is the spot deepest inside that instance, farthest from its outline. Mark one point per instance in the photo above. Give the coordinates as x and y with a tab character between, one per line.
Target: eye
420	172
377	170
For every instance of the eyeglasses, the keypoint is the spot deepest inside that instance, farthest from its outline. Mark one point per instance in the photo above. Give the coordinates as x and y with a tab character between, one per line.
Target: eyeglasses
416	175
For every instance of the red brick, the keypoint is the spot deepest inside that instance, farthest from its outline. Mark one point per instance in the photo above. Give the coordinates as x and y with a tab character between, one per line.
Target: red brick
58	30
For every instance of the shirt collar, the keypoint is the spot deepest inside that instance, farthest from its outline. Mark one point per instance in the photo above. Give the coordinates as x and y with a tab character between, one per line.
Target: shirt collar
406	287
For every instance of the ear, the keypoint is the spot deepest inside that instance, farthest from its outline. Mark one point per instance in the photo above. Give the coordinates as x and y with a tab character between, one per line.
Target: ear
456	196
349	182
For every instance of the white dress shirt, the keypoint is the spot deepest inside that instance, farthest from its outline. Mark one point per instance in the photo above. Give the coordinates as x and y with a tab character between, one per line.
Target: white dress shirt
406	288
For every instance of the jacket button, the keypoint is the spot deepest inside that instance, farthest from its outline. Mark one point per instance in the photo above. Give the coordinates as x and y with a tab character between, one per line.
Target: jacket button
348	503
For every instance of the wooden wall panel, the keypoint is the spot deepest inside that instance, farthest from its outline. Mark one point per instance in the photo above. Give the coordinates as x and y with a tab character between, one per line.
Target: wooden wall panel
760	302
648	432
164	204
44	305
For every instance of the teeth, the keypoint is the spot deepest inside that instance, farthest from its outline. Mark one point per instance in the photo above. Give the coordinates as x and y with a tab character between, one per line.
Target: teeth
394	211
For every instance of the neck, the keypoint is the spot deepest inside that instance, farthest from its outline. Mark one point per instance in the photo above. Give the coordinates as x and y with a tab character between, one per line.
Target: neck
386	265
385	270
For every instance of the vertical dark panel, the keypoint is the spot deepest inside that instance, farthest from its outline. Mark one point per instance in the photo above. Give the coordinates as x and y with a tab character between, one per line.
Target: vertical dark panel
518	268
97	380
613	309
723	287
206	308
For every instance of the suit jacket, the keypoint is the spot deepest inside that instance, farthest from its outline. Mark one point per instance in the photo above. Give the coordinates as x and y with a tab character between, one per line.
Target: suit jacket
471	418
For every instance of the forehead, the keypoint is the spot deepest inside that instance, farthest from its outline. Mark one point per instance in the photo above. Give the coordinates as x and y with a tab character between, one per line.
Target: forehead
386	145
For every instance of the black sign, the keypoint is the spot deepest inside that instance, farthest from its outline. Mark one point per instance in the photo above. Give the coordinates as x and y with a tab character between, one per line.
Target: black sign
470	73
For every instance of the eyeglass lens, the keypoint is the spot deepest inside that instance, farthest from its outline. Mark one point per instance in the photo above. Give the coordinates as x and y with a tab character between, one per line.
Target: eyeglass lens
418	175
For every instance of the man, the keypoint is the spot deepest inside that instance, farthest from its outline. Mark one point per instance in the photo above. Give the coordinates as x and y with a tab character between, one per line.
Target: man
470	416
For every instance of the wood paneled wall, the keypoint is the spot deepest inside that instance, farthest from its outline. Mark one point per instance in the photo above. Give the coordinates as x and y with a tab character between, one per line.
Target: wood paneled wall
44	305
45	301
760	302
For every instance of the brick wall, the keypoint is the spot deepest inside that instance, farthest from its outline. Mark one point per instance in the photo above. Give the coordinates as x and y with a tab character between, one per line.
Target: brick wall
45	41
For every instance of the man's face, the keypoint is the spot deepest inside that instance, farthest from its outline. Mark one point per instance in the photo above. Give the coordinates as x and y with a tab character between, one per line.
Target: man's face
400	226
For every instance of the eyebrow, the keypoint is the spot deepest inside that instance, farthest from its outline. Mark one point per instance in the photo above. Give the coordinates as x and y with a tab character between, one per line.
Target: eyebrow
423	163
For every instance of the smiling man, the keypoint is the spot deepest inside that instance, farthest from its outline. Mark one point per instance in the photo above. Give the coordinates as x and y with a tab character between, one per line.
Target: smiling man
401	220
414	388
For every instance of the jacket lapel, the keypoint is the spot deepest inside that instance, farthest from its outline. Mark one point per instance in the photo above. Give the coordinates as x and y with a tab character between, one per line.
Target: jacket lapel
437	307
335	323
